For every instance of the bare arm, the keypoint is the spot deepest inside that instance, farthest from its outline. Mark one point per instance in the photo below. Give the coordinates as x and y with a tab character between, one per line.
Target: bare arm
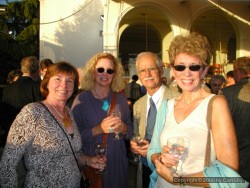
223	132
224	138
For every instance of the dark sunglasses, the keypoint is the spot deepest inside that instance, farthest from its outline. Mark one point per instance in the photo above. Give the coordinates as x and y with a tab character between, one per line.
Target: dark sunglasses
101	70
191	67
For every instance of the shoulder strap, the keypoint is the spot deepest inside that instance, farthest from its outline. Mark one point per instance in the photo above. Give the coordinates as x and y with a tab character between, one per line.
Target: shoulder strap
67	139
111	111
209	117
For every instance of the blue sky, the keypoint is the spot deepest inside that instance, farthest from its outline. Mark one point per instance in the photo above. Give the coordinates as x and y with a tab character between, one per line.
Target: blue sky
3	2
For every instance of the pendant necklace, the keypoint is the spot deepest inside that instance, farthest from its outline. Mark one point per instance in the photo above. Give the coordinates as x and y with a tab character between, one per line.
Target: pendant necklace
105	105
66	121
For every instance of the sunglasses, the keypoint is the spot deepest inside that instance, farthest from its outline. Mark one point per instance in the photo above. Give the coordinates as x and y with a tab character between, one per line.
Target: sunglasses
101	70
191	67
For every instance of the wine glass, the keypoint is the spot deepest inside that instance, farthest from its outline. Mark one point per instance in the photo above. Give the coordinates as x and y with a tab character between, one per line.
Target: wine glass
117	113
101	151
139	142
179	147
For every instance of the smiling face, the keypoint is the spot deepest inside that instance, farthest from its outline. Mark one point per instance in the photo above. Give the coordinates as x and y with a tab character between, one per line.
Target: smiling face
188	80
103	73
60	87
149	73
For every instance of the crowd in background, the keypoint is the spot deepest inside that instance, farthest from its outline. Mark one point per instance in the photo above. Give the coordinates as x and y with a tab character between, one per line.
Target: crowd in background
48	105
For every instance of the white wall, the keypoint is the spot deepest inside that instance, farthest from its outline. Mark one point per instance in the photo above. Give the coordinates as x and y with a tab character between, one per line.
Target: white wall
70	30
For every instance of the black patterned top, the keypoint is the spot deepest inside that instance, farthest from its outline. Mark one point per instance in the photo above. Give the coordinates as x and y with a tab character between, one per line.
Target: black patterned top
36	135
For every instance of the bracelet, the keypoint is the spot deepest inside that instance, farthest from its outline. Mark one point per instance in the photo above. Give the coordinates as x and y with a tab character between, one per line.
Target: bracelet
182	181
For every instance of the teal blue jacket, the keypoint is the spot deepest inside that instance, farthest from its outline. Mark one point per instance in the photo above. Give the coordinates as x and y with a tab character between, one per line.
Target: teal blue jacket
155	146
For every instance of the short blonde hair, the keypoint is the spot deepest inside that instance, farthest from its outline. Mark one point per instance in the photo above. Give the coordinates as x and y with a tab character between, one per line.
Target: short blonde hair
88	79
193	44
243	64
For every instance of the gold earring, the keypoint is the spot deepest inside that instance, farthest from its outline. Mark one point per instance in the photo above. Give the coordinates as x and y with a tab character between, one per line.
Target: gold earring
203	83
174	84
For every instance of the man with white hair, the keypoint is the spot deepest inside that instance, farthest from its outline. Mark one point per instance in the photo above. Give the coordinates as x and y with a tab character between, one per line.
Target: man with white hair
150	70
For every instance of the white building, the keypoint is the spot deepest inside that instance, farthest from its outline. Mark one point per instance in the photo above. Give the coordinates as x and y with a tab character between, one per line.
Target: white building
74	30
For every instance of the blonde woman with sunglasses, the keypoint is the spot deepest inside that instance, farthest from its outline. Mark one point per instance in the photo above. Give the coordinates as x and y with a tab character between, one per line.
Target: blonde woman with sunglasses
186	119
102	78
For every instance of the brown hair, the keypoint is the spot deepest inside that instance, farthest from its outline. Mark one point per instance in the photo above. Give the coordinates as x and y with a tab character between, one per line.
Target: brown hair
56	68
45	63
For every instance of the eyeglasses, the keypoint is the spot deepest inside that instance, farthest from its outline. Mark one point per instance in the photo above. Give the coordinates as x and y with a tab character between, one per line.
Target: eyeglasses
191	67
101	70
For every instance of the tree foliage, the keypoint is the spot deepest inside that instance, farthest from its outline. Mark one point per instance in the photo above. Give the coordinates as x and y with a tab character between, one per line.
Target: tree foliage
20	21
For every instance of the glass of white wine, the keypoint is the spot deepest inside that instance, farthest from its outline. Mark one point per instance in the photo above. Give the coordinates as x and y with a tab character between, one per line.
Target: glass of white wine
101	151
117	113
179	146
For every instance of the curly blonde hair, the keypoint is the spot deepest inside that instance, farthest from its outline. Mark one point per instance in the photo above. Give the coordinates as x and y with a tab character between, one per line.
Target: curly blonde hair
193	44
88	79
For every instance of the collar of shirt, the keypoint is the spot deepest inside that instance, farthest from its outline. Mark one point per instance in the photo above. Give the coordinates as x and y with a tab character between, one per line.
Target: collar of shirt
157	97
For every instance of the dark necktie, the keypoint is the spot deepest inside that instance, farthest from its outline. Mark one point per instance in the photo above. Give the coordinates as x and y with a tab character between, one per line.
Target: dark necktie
151	119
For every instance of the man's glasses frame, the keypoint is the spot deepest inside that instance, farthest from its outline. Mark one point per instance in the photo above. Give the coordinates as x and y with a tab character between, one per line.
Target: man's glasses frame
191	67
101	70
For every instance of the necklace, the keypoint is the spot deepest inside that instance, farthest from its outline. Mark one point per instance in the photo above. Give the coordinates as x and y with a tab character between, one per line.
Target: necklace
105	104
65	119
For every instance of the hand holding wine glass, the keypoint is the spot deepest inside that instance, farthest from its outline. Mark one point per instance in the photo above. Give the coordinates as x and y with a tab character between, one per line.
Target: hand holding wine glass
139	142
101	151
117	113
139	146
178	147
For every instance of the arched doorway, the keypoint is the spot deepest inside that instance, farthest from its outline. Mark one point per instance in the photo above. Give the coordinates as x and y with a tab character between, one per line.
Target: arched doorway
143	28
138	38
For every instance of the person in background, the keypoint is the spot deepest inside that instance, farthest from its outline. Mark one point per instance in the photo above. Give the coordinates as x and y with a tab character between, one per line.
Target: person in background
102	78
230	78
217	82
149	69
238	98
72	98
44	64
185	117
25	89
43	132
21	92
6	119
164	80
133	90
14	75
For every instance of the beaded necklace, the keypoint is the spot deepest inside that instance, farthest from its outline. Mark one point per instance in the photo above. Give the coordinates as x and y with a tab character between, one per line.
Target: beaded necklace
65	119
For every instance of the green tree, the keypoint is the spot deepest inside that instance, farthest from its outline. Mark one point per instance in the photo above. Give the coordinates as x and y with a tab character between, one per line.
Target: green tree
20	21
